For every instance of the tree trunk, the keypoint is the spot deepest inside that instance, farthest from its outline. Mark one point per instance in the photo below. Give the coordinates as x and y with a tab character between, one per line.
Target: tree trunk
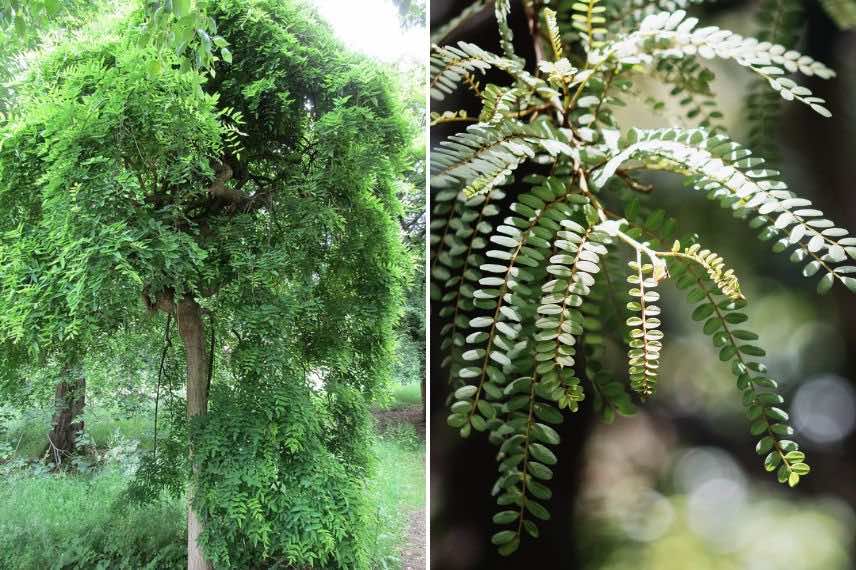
70	400
189	317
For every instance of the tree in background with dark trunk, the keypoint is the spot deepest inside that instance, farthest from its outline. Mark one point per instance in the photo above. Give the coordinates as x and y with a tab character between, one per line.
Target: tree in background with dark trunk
67	423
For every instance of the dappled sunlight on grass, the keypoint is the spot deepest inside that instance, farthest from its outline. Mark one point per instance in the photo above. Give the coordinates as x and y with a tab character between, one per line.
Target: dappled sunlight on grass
403	396
399	485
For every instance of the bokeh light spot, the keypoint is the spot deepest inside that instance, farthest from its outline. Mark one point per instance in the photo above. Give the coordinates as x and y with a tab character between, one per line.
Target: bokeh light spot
825	409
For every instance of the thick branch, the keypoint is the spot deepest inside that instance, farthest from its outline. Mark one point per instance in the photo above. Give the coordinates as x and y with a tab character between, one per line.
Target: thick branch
218	188
162	302
221	197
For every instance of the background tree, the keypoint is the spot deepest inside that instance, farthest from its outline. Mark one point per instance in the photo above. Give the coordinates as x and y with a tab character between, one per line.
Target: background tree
412	12
413	226
262	201
23	27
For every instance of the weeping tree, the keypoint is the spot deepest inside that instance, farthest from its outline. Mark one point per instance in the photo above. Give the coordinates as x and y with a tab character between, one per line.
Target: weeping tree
537	280
250	200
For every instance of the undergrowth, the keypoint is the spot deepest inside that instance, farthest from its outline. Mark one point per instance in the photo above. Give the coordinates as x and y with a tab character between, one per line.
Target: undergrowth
79	520
25	431
73	522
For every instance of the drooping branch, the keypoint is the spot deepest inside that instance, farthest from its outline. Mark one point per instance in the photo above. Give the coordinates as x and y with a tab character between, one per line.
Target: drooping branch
166	345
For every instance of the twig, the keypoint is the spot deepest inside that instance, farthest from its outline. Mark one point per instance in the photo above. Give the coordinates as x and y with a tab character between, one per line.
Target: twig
57	452
634	184
15	452
532	17
210	359
166	345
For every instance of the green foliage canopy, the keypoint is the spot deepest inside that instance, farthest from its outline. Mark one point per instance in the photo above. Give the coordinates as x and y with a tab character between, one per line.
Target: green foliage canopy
266	192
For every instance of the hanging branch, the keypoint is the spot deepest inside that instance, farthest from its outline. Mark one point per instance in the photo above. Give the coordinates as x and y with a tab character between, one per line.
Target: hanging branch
166	345
210	357
515	316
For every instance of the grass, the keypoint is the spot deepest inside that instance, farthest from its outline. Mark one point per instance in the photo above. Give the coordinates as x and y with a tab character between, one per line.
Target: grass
103	430
401	469
399	488
65	521
404	396
27	431
72	521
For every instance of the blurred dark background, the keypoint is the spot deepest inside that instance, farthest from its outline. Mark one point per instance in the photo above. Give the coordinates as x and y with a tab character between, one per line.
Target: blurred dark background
679	485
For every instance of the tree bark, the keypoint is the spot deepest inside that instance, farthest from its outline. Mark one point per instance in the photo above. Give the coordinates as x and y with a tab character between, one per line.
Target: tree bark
70	400
189	317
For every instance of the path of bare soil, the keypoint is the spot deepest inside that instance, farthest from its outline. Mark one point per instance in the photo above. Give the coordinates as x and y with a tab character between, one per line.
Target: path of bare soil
413	555
387	418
